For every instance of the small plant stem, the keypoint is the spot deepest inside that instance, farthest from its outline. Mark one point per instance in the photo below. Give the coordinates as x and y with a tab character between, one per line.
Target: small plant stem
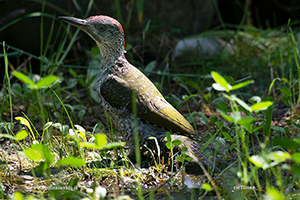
64	109
40	105
135	130
111	133
42	37
8	82
194	123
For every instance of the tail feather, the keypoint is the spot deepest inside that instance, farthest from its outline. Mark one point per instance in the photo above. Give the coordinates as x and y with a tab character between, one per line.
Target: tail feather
193	148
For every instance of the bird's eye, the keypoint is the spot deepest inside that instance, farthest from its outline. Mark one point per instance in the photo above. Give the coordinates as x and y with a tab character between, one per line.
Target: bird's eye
101	28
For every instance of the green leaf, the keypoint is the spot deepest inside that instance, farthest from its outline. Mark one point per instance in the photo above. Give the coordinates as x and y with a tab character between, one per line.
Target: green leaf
241	102
207	97
287	143
295	170
7	136
192	84
271	85
44	152
169	145
69	106
225	116
227	136
180	159
95	50
91	81
90	145
258	128
279	129
21	135
273	193
279	156
186	97
221	81
24	122
229	79
220	124
222	106
47	126
259	161
184	150
286	100
100	140
169	136
33	154
285	80
264	105
72	72
70	160
240	85
206	187
18	196
81	113
203	118
23	77
296	157
81	81
285	91
213	119
286	95
113	145
248	127
73	182
246	120
176	142
47	81
189	159
41	168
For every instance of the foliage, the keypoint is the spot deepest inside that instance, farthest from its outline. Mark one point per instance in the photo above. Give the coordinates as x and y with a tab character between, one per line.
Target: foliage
262	154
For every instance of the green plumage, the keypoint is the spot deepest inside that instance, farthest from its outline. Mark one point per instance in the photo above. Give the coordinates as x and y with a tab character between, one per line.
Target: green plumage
151	106
117	81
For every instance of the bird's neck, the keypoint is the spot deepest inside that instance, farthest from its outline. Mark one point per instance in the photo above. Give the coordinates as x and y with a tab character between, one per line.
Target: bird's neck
109	56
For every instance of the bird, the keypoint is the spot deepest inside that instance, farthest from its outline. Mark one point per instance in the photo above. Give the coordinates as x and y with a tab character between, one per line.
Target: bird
119	80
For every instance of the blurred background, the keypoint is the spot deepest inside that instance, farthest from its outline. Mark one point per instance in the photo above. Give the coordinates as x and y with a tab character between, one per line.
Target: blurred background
166	21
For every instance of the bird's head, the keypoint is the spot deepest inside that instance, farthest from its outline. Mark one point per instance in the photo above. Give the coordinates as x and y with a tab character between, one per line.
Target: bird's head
105	31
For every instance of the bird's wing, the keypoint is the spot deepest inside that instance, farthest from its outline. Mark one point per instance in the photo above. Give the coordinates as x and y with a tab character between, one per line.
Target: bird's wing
151	106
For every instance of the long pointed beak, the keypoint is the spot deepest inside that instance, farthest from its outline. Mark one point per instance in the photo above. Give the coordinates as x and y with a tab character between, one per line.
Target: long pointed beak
84	25
80	23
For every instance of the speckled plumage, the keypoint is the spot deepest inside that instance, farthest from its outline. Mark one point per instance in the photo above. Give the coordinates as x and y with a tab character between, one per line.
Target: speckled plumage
116	82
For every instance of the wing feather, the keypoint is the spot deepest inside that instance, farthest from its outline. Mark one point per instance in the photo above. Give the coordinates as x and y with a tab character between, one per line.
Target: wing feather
151	106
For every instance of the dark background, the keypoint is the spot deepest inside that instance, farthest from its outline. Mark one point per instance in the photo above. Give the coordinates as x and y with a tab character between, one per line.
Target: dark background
174	18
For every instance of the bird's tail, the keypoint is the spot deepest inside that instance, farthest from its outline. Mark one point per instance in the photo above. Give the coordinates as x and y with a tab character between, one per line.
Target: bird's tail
193	148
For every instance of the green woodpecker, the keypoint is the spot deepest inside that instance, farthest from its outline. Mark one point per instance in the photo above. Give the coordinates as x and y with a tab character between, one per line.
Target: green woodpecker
118	80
